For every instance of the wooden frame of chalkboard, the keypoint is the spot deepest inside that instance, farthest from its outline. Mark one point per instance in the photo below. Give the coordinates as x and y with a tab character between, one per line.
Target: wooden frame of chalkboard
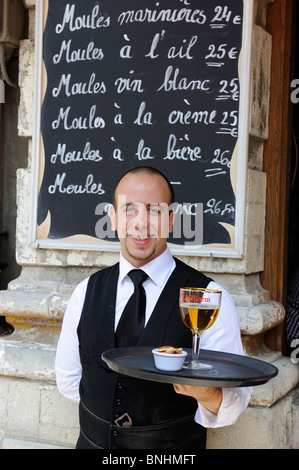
162	84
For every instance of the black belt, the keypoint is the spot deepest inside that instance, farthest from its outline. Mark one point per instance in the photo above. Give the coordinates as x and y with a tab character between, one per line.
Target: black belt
96	433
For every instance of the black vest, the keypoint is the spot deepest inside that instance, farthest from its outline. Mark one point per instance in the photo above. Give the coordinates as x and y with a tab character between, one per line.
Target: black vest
160	418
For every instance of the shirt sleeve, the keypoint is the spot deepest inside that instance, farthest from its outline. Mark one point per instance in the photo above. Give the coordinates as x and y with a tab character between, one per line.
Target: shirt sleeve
67	362
224	336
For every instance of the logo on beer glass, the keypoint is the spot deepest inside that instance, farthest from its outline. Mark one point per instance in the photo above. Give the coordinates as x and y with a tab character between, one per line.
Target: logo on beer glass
191	298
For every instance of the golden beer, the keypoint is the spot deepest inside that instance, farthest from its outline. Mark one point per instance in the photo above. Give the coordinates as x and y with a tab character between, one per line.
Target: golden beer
198	317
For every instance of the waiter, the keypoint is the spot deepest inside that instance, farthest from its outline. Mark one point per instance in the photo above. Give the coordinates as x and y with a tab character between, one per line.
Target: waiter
123	412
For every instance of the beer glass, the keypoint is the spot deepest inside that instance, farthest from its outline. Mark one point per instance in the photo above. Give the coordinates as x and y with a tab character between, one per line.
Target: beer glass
199	309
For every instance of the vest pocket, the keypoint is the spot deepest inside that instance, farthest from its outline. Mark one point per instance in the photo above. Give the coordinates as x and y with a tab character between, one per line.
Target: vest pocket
87	359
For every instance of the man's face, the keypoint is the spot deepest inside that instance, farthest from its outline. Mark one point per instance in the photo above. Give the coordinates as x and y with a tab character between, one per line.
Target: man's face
142	218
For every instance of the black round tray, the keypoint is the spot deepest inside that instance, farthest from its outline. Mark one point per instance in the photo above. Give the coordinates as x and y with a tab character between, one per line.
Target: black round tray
229	370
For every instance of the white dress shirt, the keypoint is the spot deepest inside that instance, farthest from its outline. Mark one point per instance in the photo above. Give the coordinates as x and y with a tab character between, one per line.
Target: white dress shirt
224	336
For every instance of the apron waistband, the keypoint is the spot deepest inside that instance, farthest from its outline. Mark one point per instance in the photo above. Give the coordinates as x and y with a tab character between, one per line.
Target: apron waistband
101	434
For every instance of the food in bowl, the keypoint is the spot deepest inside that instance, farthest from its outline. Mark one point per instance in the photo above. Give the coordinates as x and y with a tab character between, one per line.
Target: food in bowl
168	358
170	350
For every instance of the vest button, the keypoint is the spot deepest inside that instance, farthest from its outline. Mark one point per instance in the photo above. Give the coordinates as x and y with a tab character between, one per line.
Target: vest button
120	385
118	401
115	433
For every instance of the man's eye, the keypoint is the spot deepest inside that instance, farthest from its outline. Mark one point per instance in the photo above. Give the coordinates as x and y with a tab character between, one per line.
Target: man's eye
130	210
154	211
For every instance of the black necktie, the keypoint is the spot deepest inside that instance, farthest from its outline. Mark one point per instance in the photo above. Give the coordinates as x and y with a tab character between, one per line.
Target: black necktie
131	323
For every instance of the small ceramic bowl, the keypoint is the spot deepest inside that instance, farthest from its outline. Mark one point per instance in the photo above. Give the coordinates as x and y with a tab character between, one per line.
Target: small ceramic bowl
169	362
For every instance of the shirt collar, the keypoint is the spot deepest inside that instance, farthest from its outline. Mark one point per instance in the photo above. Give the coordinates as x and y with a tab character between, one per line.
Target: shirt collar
157	269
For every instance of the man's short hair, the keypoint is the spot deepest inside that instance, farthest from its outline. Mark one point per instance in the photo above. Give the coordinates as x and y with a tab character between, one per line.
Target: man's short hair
150	170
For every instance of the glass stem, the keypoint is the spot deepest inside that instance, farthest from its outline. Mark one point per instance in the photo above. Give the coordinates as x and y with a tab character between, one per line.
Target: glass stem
196	346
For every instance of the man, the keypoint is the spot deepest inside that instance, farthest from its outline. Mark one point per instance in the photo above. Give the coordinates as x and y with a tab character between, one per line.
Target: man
124	412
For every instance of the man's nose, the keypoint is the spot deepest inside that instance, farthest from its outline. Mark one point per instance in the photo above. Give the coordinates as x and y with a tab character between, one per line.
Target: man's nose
141	219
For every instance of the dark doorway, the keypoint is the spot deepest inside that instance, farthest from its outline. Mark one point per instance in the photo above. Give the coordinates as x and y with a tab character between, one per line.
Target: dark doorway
292	301
13	155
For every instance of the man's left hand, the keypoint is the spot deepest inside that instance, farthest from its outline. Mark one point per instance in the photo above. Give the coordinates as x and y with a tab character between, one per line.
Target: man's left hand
209	397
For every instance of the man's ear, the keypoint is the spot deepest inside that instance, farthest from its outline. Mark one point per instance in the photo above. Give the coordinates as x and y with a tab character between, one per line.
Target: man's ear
171	220
113	219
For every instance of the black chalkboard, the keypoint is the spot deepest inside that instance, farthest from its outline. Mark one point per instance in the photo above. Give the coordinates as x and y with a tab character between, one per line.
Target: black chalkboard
132	83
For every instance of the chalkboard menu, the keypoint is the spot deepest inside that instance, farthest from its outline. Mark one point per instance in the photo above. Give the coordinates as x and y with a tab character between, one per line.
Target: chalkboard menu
134	83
